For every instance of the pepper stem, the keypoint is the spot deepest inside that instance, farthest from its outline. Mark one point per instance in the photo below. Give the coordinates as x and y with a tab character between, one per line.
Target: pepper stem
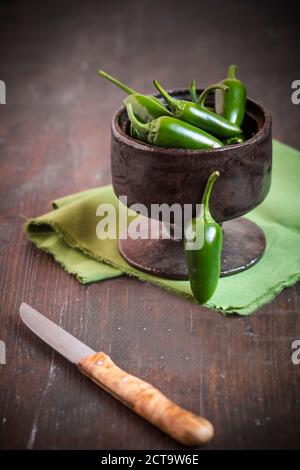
217	86
206	195
171	101
193	91
125	88
231	72
143	129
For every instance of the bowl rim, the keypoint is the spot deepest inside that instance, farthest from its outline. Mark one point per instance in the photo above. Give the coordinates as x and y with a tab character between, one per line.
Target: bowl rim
126	139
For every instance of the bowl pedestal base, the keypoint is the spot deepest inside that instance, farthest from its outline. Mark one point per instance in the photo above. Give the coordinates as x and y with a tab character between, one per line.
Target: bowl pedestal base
243	246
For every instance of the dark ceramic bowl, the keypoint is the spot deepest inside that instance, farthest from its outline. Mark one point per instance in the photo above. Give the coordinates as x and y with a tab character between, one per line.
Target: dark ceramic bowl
152	175
148	174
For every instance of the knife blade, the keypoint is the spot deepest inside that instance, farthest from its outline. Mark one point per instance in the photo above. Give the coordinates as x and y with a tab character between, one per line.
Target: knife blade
58	338
140	396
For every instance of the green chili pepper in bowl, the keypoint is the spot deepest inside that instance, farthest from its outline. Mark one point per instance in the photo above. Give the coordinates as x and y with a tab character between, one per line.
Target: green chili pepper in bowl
193	91
193	94
235	140
198	115
204	264
170	132
232	104
146	108
134	133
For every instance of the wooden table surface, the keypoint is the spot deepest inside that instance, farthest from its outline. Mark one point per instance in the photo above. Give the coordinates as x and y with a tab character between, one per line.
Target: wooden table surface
54	140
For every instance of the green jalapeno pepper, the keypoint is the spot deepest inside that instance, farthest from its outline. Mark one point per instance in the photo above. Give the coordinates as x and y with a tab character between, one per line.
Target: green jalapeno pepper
170	132
193	91
204	264
146	108
235	140
134	133
198	115
231	105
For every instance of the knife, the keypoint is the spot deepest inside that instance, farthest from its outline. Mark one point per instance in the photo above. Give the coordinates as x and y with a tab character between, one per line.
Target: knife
141	397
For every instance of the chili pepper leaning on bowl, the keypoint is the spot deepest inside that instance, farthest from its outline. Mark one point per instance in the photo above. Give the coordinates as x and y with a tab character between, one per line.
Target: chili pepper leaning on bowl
231	105
198	115
170	132
204	264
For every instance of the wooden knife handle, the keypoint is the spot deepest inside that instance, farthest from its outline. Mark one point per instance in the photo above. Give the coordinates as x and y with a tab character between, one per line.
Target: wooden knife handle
147	401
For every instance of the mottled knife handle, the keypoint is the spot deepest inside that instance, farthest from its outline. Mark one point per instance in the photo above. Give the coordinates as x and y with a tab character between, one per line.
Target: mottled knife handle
147	401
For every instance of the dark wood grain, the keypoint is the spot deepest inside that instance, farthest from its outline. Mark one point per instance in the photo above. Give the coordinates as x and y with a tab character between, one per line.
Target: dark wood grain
54	140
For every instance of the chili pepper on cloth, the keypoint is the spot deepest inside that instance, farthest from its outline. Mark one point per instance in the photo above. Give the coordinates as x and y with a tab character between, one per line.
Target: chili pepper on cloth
231	105
170	132
198	115
145	107
204	264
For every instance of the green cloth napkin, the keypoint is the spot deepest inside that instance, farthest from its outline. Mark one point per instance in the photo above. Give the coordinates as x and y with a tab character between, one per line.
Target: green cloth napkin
69	234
